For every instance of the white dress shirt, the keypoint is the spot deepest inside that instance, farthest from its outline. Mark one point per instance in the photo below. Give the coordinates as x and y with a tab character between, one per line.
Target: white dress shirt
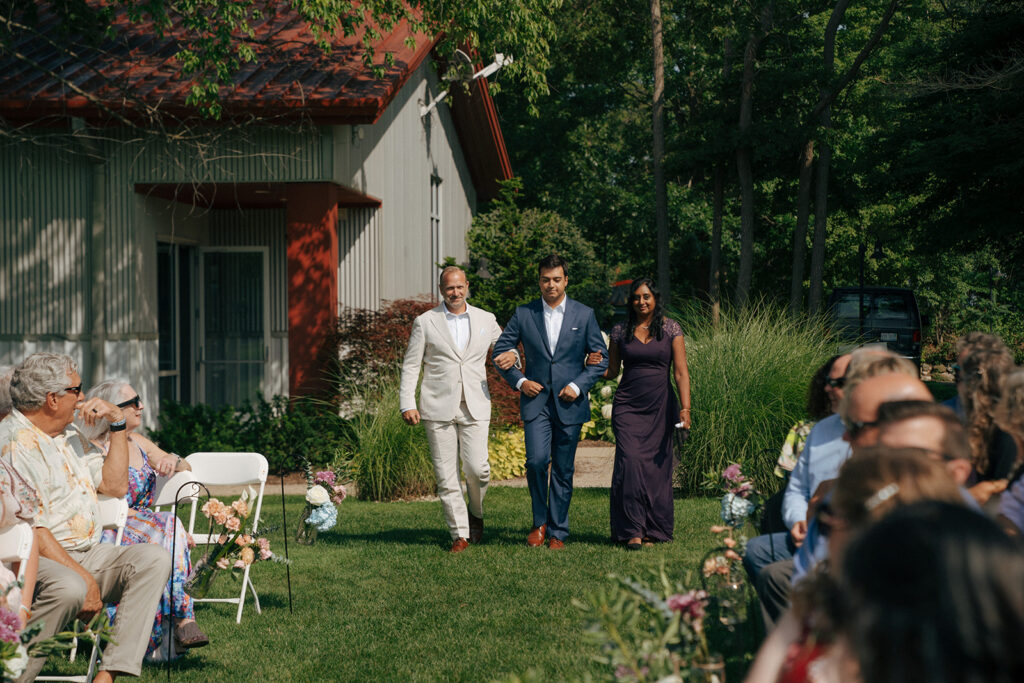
553	317
458	325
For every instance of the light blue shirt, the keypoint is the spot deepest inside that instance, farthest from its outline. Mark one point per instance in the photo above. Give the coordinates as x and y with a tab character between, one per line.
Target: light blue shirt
1011	504
823	454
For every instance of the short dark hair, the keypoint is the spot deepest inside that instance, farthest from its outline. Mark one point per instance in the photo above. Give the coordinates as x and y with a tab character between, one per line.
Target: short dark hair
954	436
552	261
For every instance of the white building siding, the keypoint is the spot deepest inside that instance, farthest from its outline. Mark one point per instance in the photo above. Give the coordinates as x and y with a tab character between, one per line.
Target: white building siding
359	274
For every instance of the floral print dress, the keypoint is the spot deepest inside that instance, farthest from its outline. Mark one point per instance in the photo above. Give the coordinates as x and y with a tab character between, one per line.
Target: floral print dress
147	526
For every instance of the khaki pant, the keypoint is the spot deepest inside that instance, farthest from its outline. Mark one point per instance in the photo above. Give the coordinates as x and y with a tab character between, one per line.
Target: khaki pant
465	439
133	576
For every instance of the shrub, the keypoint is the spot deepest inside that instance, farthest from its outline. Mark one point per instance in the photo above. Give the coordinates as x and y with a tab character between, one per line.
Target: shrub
392	459
506	453
600	427
504	399
284	431
748	386
513	241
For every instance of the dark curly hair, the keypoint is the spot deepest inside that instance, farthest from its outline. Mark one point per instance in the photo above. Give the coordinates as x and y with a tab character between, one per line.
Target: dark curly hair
819	406
657	322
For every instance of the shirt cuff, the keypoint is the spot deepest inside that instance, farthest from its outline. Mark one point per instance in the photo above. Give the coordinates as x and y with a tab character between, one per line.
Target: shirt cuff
405	410
520	383
575	388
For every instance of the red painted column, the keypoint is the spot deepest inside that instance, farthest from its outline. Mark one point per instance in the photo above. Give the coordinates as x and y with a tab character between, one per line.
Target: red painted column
312	235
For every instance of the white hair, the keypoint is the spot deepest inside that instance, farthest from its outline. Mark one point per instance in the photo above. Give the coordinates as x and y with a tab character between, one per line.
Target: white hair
38	375
109	390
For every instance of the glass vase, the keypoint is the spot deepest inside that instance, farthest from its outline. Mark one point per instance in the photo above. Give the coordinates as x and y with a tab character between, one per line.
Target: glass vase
711	671
199	581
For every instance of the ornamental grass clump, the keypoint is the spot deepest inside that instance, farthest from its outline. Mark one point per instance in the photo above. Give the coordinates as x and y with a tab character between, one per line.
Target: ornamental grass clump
748	383
392	459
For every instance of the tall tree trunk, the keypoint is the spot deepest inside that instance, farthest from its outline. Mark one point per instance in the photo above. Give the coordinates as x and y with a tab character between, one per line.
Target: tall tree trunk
824	160
746	174
715	267
657	127
803	210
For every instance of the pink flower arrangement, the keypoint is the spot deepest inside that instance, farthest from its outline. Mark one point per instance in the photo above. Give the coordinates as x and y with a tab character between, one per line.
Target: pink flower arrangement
691	604
10	626
324	477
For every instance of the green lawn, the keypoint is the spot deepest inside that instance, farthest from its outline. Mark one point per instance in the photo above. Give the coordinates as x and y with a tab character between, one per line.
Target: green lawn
380	598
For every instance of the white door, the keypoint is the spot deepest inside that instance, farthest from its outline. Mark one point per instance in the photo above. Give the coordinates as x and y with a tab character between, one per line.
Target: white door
234	338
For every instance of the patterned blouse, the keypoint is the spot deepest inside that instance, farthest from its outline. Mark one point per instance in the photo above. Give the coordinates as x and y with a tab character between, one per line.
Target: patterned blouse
64	470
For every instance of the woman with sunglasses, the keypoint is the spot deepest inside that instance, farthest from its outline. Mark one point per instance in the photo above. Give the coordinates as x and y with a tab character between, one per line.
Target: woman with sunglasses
145	461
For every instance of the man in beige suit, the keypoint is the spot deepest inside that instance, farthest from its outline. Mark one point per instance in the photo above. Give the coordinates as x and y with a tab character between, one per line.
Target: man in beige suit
451	344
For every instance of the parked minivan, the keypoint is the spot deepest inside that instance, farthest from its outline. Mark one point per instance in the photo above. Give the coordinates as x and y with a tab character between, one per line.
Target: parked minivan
890	316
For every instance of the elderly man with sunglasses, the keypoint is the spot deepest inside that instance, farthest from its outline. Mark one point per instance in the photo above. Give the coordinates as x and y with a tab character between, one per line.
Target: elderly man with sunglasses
77	573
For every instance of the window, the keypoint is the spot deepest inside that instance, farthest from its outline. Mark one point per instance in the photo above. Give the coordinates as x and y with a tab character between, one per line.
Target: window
436	237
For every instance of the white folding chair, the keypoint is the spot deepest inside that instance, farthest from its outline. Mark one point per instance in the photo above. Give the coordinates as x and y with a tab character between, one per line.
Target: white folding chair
113	515
16	545
168	487
230	469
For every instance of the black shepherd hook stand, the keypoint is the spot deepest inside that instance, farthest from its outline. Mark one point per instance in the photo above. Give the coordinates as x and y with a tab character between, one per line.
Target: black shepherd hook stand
287	560
193	494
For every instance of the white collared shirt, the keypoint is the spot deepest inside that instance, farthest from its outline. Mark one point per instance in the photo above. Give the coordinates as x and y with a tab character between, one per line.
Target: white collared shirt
458	325
553	323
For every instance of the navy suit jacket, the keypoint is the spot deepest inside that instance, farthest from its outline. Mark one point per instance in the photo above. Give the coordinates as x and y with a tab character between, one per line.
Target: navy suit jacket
555	368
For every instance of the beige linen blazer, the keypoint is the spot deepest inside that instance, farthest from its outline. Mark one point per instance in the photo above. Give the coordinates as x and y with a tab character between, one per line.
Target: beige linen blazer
450	376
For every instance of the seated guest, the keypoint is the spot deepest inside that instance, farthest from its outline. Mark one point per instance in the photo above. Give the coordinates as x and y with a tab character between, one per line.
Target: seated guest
774	582
871	484
18	503
822	454
145	462
993	453
77	573
932	427
933	593
967	344
1009	416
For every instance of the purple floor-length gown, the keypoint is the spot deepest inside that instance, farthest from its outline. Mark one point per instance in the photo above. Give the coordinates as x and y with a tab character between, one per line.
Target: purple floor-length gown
643	416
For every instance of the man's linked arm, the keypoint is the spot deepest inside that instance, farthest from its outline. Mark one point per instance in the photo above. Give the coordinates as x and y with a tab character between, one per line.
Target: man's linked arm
506	342
594	342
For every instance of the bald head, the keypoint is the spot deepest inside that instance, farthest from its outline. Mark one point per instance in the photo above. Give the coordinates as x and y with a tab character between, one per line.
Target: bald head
861	407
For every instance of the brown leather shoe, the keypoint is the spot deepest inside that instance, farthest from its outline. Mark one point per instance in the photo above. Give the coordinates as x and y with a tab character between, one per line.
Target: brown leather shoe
459	545
535	539
555	544
476	529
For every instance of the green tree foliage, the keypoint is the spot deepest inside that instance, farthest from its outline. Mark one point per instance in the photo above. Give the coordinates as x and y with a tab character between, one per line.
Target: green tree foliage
513	241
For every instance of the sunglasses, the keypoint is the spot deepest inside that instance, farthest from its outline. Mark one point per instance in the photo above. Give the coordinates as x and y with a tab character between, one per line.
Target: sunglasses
133	401
836	382
76	390
855	428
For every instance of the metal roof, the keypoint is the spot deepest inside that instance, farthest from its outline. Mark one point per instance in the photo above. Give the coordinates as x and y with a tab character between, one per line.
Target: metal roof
46	73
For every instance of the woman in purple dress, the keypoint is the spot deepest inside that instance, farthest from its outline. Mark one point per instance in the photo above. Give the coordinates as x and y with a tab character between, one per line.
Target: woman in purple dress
645	413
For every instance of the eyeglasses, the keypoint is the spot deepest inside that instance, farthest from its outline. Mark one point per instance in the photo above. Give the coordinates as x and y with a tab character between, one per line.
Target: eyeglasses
133	401
836	382
76	390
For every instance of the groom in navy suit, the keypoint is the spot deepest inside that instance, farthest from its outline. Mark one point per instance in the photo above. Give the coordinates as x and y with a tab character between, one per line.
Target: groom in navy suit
556	333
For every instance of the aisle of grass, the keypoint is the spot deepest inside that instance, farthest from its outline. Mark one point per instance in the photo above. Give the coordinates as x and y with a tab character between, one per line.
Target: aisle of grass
379	598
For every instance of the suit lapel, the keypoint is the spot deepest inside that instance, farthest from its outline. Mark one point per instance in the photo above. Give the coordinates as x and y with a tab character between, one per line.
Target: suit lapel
442	327
538	318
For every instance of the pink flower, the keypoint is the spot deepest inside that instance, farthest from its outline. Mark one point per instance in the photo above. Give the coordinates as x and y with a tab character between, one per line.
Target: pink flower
263	543
212	507
221	517
10	626
244	540
324	477
718	528
223	539
732	555
743	490
223	563
729	542
239	564
732	473
690	604
241	507
265	554
233	524
247	556
339	492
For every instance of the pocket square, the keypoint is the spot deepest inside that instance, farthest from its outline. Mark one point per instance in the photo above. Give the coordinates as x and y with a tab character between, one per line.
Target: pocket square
575	328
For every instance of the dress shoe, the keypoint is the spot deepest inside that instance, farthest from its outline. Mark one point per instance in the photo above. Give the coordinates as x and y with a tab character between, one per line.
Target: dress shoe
459	544
555	544
476	529
634	544
535	539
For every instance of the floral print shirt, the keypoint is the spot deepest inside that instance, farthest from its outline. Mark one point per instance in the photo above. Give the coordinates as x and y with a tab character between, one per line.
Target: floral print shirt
64	470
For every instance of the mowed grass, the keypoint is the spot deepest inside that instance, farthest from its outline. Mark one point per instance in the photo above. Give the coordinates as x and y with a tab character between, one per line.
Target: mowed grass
380	598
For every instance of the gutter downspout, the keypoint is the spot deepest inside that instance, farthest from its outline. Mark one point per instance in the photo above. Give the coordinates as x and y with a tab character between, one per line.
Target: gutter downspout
97	252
